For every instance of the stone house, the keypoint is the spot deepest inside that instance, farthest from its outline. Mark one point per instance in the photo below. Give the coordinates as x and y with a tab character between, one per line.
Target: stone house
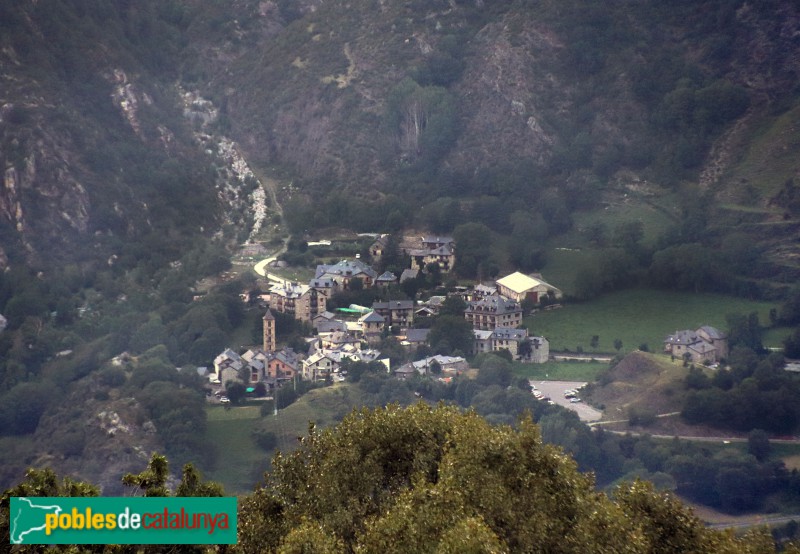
318	367
304	302
283	365
396	312
511	340
429	249
345	271
415	337
493	312
482	341
378	247
372	327
443	255
705	345
448	364
540	350
227	366
256	360
337	339
386	279
508	339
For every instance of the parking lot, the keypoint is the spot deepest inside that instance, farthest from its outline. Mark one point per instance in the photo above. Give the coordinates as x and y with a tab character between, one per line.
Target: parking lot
555	390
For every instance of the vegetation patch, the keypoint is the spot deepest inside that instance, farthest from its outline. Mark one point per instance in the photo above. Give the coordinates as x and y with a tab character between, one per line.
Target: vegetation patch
239	460
636	317
770	160
641	382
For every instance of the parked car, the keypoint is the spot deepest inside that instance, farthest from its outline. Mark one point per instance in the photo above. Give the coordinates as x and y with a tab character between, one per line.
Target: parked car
224	399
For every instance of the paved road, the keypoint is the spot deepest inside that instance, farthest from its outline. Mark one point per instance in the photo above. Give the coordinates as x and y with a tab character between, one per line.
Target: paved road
261	269
555	390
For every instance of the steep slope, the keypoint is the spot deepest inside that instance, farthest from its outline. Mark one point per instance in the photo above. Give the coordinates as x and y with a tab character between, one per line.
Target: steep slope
93	144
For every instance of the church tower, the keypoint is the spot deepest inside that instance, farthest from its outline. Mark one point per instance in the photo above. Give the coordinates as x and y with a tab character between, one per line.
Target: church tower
269	332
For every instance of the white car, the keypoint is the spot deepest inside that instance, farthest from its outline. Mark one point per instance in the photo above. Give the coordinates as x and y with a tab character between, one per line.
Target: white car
224	399
574	400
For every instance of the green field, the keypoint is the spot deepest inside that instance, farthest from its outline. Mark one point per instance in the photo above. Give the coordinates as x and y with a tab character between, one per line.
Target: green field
564	264
561	371
239	460
773	338
639	316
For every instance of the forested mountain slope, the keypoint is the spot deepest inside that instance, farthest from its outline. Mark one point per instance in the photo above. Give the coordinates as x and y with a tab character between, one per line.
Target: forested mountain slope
548	103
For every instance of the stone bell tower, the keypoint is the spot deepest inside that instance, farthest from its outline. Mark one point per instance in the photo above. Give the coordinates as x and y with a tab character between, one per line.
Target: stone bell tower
269	332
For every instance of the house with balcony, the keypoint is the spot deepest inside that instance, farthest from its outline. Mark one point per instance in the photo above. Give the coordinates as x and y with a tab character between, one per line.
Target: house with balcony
396	312
494	312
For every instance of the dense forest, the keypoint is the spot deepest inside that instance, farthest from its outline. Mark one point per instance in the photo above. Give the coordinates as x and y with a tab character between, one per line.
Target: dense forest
438	480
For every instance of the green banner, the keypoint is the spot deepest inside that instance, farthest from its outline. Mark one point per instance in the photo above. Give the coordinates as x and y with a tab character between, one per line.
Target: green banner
122	520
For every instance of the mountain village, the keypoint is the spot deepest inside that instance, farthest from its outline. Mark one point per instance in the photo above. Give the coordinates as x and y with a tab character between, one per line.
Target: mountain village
494	310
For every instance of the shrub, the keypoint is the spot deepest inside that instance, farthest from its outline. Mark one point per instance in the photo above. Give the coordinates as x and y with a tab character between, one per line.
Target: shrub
265	439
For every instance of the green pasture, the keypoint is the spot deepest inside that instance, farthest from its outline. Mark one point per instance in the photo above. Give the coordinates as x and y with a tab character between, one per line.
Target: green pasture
239	459
655	218
638	316
325	406
564	264
773	338
240	462
561	371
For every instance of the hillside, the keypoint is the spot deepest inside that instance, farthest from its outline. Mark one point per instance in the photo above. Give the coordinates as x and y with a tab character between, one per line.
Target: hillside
646	385
379	108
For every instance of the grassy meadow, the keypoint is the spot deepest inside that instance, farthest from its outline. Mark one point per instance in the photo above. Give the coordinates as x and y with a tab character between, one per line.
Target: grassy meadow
240	462
239	459
638	316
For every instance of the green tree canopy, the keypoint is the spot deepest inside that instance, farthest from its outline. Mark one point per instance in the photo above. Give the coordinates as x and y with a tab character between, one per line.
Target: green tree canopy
427	479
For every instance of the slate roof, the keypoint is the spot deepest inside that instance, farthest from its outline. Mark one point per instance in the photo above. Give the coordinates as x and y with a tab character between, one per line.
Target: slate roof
408	274
417	335
445	250
322	283
345	268
329	326
387	277
509	334
484	290
702	347
682	338
373	317
494	304
289	290
713	332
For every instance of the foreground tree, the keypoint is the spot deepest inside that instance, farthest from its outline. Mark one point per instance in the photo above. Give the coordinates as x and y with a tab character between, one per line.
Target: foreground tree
427	479
150	482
